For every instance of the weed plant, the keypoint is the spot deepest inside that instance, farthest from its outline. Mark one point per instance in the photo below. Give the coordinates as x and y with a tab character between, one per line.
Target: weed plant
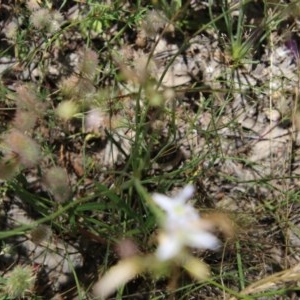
92	139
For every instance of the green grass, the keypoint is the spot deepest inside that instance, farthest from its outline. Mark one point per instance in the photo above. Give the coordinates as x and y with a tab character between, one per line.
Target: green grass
111	201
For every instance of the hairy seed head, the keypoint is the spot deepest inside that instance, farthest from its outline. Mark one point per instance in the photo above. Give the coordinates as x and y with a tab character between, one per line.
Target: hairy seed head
57	181
28	101
88	63
40	233
24	146
19	282
24	120
41	18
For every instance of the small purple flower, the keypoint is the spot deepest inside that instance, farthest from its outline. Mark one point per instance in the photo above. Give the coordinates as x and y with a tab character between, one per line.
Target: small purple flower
293	47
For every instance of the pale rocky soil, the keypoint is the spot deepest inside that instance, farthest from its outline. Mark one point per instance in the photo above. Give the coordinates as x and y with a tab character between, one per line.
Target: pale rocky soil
239	121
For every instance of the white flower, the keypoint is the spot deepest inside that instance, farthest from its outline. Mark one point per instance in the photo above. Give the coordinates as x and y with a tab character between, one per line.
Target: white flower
182	226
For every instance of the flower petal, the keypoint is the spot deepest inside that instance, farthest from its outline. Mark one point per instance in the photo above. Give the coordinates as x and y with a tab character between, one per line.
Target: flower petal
202	240
164	202
117	276
186	193
169	247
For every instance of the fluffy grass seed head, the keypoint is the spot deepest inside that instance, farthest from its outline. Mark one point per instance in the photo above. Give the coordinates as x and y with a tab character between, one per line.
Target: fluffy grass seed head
40	233
41	18
143	68
24	120
75	87
33	4
56	21
57	181
155	97
153	22
68	86
44	19
27	100
25	147
88	63
11	30
85	89
66	110
20	281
